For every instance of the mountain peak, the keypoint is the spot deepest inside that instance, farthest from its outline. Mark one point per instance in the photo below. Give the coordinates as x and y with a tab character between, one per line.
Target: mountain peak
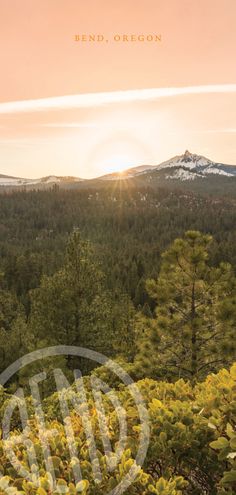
191	157
189	166
187	153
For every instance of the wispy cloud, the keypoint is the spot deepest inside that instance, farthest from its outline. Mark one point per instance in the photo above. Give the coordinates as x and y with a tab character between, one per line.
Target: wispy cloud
77	125
98	99
93	125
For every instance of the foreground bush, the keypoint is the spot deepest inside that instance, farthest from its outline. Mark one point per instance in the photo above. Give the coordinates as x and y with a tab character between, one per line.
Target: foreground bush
192	446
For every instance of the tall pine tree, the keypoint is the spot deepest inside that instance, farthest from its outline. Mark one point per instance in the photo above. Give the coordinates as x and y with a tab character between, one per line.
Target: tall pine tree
193	331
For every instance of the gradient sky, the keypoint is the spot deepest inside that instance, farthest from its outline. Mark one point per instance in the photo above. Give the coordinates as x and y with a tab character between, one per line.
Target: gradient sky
64	130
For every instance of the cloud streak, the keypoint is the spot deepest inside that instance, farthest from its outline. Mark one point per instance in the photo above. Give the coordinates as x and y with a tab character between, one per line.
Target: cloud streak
88	100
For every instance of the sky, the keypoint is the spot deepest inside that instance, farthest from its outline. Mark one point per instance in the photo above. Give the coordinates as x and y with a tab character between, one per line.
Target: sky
86	108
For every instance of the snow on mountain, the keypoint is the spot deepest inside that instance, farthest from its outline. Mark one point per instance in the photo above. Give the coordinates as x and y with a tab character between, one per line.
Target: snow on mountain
186	167
182	174
8	181
189	160
219	171
14	181
190	166
53	179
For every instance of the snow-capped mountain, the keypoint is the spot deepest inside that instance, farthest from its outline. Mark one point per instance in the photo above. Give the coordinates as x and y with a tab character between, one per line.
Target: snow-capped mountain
191	166
186	167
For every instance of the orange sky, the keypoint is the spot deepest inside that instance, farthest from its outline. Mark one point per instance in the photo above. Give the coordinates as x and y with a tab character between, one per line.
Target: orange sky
40	59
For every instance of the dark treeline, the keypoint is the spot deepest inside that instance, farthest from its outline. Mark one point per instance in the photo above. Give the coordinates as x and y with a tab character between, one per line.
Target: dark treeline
129	229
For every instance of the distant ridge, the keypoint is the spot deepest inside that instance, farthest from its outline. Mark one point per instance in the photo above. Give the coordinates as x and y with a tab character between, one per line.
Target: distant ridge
8	181
181	168
184	167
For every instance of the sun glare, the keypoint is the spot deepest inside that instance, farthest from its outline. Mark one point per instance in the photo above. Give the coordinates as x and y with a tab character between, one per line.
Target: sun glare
119	163
117	154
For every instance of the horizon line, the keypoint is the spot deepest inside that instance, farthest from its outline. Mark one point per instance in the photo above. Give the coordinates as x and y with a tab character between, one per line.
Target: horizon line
116	172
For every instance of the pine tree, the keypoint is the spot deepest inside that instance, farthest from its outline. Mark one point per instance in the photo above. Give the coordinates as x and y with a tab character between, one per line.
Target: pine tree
71	306
193	329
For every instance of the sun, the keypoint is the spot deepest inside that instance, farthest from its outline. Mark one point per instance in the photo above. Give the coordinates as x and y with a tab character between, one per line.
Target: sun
113	160
119	162
117	154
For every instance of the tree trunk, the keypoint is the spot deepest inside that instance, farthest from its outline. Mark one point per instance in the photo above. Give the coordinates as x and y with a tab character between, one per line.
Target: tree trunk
193	336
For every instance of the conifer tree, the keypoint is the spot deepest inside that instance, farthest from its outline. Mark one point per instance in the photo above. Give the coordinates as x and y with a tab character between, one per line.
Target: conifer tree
70	307
193	331
73	307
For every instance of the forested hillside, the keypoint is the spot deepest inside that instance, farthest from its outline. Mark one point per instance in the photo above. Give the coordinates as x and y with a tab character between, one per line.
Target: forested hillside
129	229
146	277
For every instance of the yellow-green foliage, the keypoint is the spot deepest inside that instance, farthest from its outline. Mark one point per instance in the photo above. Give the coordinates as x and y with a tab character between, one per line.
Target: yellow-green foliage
192	445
